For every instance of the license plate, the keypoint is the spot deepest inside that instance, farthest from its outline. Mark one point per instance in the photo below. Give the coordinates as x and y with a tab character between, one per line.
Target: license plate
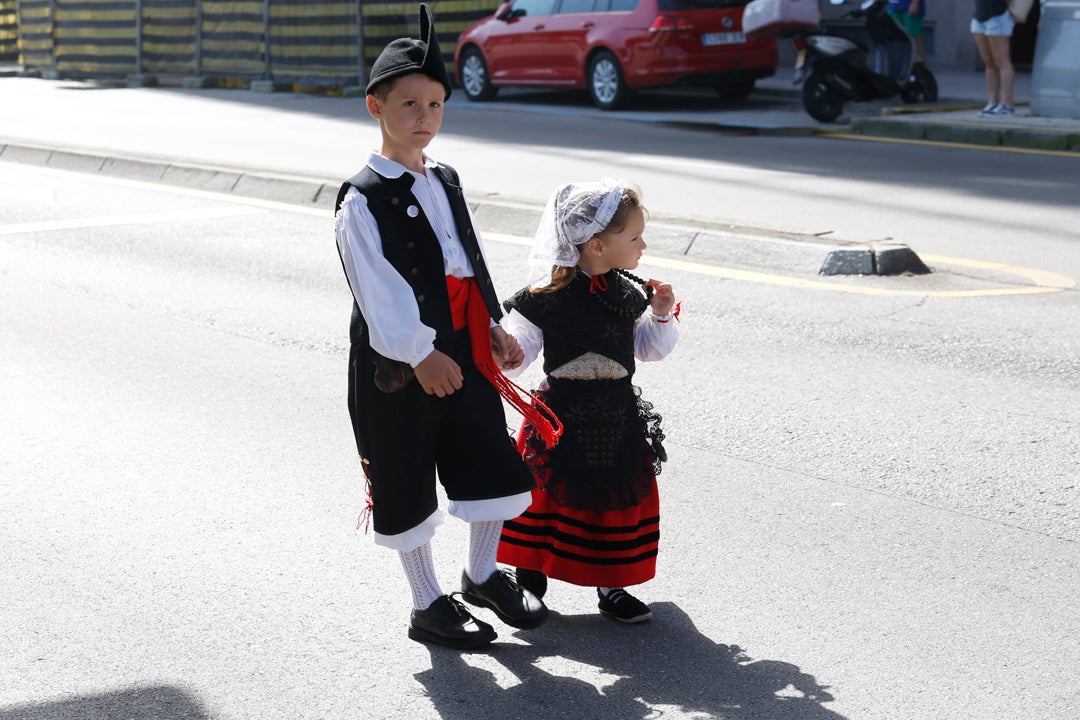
725	38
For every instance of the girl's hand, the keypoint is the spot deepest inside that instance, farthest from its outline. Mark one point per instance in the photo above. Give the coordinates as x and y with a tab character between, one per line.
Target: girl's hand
506	349
663	299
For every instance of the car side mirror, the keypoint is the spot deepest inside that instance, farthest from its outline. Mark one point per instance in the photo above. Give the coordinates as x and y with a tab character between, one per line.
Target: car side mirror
509	13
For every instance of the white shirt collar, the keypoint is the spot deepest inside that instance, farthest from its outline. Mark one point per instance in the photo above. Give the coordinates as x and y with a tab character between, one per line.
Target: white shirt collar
391	169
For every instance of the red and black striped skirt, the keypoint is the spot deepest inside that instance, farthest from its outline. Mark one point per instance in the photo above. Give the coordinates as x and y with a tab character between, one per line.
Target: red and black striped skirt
608	548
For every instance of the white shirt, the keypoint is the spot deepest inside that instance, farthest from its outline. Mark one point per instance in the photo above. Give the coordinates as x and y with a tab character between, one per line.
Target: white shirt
385	299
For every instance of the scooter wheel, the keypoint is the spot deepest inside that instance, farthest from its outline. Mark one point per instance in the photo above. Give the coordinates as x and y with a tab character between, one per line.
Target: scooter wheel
921	86
822	102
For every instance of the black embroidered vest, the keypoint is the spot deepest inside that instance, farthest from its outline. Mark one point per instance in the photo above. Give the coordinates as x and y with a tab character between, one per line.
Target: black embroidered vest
575	322
409	243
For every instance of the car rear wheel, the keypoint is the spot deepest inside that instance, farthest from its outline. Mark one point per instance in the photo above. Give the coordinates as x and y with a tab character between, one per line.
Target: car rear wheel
474	77
736	90
822	102
605	80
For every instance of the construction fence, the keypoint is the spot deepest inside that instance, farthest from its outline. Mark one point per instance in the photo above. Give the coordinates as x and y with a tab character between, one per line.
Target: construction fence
307	45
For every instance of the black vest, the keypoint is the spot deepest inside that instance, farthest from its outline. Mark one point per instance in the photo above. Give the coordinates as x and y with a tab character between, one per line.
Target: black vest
409	243
575	322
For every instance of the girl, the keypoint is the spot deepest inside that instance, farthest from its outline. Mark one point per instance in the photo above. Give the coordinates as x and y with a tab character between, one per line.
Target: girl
594	518
992	27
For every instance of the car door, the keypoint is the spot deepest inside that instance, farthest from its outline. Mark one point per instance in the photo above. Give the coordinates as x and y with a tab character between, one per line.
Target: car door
518	52
568	39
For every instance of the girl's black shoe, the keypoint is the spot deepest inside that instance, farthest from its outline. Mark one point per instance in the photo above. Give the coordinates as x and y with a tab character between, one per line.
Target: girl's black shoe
623	606
532	580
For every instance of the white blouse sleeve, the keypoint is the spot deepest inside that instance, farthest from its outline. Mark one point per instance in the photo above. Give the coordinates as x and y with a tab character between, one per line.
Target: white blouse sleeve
655	337
529	336
385	299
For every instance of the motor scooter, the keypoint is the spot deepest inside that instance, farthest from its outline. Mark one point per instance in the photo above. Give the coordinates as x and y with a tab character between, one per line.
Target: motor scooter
874	61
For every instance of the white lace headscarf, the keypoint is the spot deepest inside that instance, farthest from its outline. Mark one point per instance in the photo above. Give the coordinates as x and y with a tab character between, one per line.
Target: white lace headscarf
575	213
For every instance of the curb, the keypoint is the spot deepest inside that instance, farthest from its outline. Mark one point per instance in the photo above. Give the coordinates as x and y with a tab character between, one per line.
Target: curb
698	241
966	134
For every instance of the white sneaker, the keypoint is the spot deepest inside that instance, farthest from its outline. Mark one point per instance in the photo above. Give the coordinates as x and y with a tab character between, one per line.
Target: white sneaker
990	110
1003	111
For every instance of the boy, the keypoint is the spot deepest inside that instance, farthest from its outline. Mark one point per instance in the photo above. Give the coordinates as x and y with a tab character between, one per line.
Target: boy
422	380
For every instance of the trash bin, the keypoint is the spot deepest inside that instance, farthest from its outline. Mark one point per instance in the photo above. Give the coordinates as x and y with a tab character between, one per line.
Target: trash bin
1055	79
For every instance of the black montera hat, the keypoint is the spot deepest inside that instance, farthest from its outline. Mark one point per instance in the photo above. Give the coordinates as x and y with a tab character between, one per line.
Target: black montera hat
407	55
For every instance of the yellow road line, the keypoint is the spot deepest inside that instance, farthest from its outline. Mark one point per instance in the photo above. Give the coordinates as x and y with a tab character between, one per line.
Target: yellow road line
940	143
1045	281
1042	278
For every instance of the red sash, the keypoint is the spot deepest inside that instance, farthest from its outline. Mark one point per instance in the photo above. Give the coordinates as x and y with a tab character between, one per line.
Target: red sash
468	309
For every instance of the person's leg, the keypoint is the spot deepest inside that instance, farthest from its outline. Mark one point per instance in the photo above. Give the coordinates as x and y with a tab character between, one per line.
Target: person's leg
486	482
982	43
483	547
420	572
999	46
920	49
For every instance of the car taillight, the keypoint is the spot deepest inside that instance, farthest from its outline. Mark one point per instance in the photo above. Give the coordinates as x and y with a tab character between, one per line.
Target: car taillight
670	23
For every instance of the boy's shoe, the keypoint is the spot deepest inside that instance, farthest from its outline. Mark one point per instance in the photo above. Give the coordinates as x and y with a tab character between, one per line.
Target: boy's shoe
532	580
623	606
988	111
514	605
447	622
1003	111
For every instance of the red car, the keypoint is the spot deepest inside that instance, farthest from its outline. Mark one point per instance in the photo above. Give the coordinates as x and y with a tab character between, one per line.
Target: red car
613	47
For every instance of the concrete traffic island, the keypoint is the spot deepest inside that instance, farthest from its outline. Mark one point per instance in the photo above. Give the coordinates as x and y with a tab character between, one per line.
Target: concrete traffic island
875	259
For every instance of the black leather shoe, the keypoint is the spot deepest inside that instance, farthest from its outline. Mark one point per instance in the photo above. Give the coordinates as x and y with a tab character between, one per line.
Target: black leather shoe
623	606
447	622
514	605
534	581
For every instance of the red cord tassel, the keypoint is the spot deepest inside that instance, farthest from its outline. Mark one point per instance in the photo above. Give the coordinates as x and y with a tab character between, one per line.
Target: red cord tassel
478	321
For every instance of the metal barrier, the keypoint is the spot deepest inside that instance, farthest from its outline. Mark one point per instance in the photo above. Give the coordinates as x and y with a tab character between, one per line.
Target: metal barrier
9	31
327	44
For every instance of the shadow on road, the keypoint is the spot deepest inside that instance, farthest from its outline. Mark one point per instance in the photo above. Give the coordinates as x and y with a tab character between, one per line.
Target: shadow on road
587	666
160	702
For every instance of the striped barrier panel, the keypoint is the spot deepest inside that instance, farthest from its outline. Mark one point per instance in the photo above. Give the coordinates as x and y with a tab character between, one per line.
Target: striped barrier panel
306	44
386	21
9	31
166	37
314	44
231	40
94	38
36	34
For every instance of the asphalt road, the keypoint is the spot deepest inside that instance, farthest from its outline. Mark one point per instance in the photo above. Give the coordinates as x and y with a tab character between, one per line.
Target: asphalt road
870	511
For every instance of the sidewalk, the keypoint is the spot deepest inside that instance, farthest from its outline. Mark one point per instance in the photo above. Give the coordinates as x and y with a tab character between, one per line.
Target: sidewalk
952	119
775	108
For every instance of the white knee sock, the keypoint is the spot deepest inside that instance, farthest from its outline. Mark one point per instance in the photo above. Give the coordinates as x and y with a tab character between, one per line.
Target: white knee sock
420	571
483	547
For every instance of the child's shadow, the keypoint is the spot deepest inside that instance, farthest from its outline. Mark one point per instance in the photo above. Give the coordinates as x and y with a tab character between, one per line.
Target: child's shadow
587	666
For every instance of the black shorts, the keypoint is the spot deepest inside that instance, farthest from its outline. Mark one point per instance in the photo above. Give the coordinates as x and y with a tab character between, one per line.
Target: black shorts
407	435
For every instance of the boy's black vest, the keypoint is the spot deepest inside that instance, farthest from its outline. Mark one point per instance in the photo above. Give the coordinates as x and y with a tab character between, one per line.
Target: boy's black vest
409	243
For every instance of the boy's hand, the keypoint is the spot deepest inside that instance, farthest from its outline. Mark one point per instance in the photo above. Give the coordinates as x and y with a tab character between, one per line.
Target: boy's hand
506	349
438	374
663	299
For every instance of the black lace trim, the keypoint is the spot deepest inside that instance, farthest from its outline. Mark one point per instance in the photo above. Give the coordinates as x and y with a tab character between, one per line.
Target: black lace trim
612	449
